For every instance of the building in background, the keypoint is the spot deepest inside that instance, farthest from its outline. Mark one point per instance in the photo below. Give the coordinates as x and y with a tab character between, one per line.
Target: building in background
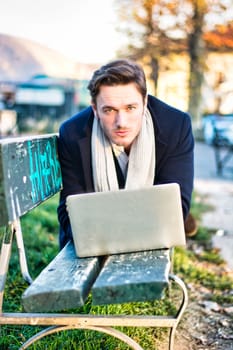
40	103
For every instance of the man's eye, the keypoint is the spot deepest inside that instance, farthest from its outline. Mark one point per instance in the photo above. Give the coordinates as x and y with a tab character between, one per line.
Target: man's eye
108	110
131	108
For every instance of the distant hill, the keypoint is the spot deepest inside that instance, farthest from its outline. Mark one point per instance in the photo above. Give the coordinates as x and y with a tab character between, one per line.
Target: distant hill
20	59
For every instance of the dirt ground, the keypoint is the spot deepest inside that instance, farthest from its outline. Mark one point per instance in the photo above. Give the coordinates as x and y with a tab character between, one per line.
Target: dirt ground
205	325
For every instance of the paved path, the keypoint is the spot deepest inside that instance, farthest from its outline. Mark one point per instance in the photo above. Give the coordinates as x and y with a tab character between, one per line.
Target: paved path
217	191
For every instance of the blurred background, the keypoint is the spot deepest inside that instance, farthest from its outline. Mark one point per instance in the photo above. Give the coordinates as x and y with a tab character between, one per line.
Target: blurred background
48	51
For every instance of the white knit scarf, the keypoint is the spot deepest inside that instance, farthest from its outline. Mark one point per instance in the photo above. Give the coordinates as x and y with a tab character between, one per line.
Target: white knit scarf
141	165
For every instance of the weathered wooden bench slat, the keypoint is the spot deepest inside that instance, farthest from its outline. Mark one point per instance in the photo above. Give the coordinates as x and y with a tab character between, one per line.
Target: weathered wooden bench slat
63	284
139	276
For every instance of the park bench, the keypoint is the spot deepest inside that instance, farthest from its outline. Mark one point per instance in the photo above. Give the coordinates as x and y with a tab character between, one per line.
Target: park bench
223	147
218	131
29	175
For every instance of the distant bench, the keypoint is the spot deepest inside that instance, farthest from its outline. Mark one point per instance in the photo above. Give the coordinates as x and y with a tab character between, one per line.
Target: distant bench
223	151
223	142
29	175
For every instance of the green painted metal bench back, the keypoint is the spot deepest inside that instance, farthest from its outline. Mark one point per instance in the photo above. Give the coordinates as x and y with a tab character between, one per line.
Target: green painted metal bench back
29	174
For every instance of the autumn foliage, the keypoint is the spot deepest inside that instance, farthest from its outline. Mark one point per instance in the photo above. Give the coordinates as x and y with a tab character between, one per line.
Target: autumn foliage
221	38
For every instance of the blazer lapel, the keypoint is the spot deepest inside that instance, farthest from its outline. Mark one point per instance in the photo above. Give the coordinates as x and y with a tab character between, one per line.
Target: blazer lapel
85	150
160	144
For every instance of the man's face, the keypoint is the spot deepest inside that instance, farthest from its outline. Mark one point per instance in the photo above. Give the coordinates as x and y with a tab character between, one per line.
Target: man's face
120	109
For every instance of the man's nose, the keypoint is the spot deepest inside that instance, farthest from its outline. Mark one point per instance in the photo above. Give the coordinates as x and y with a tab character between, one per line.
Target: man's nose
120	119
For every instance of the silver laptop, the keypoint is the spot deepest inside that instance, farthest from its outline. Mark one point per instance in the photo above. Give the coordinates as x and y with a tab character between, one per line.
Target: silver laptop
126	220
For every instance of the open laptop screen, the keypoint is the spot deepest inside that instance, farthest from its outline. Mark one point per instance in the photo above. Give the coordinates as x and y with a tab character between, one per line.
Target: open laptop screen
126	220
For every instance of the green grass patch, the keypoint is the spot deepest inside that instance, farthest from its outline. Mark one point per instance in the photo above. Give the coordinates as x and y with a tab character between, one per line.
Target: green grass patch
190	267
201	264
198	206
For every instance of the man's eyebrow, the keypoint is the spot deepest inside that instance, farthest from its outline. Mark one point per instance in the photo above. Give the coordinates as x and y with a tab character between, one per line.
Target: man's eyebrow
107	106
126	105
132	104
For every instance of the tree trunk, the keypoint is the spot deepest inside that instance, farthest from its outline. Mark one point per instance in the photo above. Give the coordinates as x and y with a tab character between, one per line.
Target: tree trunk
195	89
154	63
197	57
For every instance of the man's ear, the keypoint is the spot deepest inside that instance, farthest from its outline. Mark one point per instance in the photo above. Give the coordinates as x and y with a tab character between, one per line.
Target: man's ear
145	104
93	105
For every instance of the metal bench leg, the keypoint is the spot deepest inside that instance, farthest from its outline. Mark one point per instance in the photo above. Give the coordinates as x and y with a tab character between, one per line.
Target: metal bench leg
117	334
4	259
21	250
181	310
108	330
10	230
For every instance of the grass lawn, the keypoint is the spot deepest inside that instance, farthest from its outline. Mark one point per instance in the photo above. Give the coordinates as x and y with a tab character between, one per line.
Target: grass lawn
40	229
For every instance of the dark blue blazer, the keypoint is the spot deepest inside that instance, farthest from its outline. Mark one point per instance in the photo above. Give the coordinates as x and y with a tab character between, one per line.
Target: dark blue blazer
174	156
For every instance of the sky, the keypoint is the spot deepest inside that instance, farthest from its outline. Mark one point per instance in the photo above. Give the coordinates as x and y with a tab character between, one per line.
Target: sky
84	30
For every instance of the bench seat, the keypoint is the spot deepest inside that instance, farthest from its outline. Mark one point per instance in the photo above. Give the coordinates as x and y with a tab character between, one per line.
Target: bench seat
139	276
66	282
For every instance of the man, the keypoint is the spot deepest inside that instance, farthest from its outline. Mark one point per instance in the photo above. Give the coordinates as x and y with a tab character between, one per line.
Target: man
125	139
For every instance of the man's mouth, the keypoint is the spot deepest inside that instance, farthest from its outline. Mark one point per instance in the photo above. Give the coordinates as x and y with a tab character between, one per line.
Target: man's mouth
121	132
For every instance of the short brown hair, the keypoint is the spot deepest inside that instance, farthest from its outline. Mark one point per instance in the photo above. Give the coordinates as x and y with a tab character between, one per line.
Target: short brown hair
122	71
